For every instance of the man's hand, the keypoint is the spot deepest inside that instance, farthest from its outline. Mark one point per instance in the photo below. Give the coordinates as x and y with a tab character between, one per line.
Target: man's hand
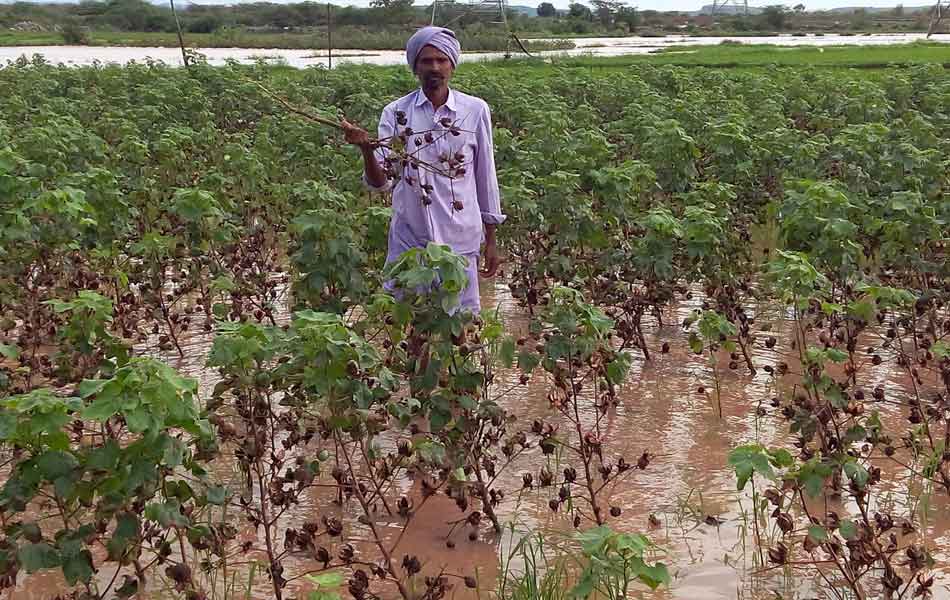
359	137
491	258
356	135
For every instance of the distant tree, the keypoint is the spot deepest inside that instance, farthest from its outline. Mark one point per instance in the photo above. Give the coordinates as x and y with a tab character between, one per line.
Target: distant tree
394	11
546	9
602	12
899	10
650	17
579	11
860	19
629	16
312	14
775	16
74	34
581	26
91	8
136	15
799	8
204	24
607	10
741	23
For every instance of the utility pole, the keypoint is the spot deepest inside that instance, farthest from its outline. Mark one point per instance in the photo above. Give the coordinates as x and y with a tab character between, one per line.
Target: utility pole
181	39
936	14
719	4
494	12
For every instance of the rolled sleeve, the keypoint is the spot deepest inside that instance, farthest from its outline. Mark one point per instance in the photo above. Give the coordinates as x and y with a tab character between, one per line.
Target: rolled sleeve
385	130
388	185
486	180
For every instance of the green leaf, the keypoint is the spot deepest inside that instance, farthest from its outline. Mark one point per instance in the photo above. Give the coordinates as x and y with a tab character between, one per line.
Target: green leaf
35	557
848	529
104	458
836	355
439	419
174	453
8	423
102	409
855	434
217	495
77	567
864	310
139	420
166	514
331	579
617	368
817	533
594	539
506	353
857	473
90	387
627	544
127	526
811	475
29	530
430	451
223	283
780	457
695	344
54	464
9	352
127	529
528	361
66	485
584	586
652	575
750	459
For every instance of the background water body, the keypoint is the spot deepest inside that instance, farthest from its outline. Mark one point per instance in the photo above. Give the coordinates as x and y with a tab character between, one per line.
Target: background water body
88	55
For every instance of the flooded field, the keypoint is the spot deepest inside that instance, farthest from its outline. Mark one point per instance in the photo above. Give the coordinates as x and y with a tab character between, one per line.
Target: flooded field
610	46
685	500
779	251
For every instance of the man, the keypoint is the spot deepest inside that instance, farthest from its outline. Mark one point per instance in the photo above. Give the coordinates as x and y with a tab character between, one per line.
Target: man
451	197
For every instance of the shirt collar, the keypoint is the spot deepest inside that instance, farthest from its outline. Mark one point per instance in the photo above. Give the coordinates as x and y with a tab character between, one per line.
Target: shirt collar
421	99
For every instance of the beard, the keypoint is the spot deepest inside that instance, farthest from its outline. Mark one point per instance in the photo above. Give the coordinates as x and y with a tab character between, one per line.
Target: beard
434	81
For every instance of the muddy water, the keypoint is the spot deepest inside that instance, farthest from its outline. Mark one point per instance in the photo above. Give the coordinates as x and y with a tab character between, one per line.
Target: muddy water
610	46
687	482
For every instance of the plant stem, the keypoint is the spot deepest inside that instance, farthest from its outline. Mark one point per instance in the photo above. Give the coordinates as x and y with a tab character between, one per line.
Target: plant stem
387	556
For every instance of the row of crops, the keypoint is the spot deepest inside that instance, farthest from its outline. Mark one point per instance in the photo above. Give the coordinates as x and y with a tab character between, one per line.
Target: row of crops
142	207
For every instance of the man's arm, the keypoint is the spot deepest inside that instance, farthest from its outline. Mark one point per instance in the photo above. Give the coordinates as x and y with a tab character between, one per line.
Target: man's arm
373	173
486	188
492	258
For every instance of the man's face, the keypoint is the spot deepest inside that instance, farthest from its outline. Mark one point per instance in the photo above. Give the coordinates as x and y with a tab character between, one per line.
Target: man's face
433	68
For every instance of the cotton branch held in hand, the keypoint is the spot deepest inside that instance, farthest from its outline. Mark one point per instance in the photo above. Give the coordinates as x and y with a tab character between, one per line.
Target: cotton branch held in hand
396	145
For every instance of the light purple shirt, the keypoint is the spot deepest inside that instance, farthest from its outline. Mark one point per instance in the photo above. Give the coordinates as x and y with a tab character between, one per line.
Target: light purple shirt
460	227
